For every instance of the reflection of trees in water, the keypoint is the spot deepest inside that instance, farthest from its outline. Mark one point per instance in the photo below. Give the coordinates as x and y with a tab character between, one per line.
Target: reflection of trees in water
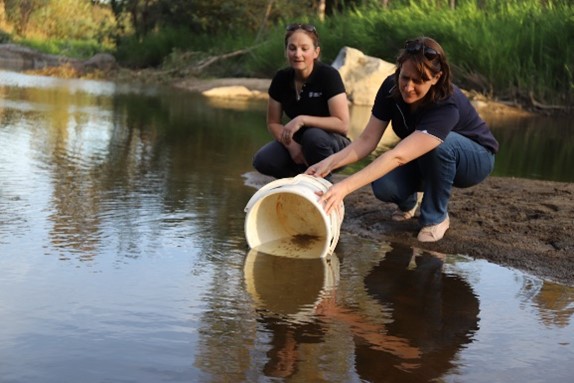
125	167
553	302
538	147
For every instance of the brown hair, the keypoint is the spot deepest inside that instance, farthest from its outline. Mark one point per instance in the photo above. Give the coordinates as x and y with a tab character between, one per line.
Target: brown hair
308	29
426	54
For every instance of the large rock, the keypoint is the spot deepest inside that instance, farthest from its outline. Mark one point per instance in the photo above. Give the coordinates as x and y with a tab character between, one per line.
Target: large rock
362	75
101	61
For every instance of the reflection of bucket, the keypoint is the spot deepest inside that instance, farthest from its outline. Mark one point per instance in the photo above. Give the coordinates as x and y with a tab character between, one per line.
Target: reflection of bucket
289	287
284	218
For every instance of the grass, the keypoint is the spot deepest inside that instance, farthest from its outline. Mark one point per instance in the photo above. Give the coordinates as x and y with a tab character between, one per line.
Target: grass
516	50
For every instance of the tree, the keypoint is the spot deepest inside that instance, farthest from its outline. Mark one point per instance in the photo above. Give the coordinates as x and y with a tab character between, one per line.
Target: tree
19	12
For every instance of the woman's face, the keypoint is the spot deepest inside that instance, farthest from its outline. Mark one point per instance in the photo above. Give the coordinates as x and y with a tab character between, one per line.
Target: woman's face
301	52
412	86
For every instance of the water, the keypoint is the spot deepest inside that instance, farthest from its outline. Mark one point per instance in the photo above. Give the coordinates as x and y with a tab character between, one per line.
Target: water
123	259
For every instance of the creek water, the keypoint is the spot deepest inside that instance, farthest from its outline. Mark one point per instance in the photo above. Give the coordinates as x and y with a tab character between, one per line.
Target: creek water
123	258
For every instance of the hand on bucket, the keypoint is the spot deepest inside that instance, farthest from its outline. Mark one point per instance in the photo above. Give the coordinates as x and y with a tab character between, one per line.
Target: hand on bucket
321	169
332	198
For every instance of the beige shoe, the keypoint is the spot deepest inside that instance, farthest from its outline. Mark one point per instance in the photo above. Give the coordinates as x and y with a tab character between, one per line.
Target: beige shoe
399	215
434	233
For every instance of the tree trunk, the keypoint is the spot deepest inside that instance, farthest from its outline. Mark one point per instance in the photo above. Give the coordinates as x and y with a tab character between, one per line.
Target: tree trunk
321	9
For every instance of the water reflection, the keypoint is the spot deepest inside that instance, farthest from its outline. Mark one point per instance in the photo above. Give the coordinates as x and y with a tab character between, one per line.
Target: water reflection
288	293
537	147
412	322
289	287
553	302
431	311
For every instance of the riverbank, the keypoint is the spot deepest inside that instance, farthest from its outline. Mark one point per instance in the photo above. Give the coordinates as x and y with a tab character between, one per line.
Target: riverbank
519	223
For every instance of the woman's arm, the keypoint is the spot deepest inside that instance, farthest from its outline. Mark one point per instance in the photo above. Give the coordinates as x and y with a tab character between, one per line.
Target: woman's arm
337	122
413	146
357	150
280	134
274	113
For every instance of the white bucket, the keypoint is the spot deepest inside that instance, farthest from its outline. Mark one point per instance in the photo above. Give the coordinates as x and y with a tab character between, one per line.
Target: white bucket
284	218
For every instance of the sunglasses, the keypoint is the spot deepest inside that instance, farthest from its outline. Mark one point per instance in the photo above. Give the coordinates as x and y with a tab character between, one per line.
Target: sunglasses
306	27
414	46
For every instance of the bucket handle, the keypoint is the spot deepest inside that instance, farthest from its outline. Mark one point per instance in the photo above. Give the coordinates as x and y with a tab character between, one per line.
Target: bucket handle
323	183
286	181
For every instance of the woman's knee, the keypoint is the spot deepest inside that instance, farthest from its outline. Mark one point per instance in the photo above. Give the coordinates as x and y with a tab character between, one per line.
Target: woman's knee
383	190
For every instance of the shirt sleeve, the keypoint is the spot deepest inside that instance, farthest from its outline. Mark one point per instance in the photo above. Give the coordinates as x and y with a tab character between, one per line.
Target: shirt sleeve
278	86
382	107
332	82
439	121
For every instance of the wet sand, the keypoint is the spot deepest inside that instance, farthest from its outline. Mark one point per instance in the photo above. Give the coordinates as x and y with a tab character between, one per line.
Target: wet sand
519	223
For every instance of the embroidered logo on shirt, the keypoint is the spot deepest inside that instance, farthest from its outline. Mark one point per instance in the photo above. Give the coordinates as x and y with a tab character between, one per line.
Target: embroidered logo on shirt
315	94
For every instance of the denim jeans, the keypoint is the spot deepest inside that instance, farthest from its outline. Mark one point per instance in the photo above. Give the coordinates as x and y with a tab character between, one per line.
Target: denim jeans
458	161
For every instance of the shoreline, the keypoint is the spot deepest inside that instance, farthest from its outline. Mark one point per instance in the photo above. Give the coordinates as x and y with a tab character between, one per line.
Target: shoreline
524	224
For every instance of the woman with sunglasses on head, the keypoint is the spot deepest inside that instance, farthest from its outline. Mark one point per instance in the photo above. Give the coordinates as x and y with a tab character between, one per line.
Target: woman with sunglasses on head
444	142
312	96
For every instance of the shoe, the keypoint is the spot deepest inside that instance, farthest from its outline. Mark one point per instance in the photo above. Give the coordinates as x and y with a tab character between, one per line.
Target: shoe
399	215
434	233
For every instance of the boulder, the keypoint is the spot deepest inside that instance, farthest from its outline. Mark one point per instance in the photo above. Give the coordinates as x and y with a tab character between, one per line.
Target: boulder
234	91
362	75
101	61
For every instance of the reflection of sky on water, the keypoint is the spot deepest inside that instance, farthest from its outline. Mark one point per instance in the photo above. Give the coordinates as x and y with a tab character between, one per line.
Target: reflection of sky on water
72	86
514	342
123	255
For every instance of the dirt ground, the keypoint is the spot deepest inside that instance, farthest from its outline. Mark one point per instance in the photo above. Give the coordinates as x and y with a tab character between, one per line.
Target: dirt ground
519	223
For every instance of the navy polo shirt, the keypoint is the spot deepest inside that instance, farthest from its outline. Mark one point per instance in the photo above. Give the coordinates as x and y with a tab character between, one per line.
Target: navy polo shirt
455	114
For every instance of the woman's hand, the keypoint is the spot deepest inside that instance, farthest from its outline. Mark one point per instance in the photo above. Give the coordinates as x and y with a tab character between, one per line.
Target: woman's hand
322	168
296	152
290	129
333	198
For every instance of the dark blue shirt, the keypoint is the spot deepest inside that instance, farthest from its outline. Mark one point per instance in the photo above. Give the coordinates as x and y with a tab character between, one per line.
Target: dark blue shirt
455	114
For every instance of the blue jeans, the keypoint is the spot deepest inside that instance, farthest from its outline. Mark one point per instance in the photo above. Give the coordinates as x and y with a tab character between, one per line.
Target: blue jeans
458	161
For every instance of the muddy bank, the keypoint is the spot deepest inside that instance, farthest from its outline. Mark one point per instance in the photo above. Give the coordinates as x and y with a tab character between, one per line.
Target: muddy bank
519	223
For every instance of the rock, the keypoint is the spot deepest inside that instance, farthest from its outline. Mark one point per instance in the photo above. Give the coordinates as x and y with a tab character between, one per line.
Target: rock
101	61
362	75
236	91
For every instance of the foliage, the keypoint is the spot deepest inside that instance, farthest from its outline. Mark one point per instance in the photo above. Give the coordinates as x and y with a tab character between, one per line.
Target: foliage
69	48
530	61
512	49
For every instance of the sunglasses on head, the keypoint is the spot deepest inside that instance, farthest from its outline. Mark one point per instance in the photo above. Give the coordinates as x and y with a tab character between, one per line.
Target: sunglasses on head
306	27
414	46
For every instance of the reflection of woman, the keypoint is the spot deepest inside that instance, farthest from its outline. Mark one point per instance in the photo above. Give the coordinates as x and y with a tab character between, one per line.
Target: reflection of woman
435	312
284	355
444	142
313	96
